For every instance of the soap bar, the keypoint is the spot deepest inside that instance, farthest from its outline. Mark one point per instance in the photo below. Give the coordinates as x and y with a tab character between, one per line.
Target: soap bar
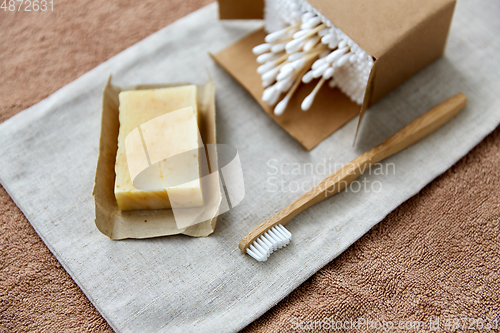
158	161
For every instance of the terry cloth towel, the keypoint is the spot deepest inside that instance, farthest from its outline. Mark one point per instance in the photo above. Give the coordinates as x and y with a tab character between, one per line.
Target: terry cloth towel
184	284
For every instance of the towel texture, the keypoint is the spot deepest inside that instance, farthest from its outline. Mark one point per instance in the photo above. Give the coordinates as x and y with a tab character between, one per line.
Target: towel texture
436	256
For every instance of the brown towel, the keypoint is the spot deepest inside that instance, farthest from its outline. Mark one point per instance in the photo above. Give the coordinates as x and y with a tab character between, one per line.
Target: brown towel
436	256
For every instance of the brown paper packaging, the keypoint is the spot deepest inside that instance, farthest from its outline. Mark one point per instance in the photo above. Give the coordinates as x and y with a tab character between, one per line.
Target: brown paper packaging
145	223
402	37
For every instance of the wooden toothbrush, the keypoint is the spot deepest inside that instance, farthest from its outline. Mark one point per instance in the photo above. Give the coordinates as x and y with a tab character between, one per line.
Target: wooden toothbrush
271	235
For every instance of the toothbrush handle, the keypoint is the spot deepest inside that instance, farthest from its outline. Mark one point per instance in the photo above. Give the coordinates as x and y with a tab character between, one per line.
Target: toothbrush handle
339	180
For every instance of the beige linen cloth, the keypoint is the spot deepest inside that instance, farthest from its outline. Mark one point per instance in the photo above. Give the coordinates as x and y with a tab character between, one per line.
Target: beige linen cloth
183	284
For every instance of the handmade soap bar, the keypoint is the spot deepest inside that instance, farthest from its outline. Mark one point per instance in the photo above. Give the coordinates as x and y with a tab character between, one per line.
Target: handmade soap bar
158	162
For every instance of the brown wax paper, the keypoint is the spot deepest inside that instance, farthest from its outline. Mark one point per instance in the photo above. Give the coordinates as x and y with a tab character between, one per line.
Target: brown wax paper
118	224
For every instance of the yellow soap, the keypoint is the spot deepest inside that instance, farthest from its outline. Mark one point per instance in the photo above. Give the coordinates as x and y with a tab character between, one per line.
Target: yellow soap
158	149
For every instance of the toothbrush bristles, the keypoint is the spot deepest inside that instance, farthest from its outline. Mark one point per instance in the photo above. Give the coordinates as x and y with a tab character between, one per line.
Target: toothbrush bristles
275	238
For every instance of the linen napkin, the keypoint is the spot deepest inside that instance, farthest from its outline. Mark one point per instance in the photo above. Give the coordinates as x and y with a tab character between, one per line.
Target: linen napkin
48	155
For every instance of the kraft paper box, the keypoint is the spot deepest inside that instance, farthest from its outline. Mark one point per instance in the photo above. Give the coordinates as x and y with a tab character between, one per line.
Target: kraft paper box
118	224
401	36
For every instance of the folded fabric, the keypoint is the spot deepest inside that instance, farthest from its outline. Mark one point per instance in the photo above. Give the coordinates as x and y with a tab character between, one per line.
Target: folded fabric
48	155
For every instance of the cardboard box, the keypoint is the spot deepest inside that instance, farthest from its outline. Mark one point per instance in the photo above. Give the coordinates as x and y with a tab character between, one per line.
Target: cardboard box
402	37
241	9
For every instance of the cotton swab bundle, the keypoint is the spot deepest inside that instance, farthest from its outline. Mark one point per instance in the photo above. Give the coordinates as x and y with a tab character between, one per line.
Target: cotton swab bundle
304	46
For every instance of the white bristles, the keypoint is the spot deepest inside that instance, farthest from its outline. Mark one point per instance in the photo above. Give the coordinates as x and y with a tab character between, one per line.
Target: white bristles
275	238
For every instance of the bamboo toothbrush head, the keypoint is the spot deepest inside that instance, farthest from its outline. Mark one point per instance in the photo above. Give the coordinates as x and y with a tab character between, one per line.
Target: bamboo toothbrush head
273	239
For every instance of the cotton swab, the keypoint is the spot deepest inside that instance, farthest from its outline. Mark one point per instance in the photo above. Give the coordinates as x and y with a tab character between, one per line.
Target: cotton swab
335	55
268	93
308	77
311	23
320	71
284	73
270	65
295	45
280	108
318	63
297	64
265	57
267	83
308	46
306	104
343	60
278	47
275	97
314	47
259	49
280	34
296	56
307	16
328	73
286	84
325	53
342	43
271	74
301	33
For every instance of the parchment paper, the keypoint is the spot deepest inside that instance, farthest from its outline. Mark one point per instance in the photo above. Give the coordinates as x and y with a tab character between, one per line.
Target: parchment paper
48	156
147	223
